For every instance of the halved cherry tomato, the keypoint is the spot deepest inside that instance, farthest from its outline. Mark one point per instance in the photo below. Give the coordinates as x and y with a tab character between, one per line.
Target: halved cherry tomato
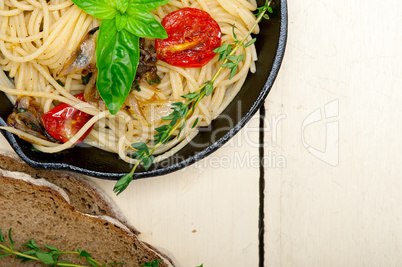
64	121
192	36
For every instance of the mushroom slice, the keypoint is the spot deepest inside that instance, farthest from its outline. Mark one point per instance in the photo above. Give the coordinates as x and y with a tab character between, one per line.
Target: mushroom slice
147	66
83	59
26	117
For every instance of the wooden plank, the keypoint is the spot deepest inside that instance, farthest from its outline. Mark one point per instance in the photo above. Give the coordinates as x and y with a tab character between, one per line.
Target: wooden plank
207	213
329	209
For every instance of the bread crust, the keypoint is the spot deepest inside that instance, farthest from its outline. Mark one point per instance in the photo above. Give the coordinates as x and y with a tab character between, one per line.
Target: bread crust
35	209
85	196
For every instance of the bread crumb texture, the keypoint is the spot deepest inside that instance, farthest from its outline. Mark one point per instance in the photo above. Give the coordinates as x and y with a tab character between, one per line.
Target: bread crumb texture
41	213
84	198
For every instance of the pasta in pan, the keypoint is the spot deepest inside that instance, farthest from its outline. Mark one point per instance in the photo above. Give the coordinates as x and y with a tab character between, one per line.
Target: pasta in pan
37	38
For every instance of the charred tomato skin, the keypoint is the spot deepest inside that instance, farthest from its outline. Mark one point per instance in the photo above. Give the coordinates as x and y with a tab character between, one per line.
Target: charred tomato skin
64	121
192	36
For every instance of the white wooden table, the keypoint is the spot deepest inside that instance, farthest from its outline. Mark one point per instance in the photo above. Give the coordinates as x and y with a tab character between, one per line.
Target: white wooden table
332	157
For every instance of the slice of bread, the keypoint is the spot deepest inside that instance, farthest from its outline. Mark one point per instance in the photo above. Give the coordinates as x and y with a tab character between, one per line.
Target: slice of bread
35	208
84	195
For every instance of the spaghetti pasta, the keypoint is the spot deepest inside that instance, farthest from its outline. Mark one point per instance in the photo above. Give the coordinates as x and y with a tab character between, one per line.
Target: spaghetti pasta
37	37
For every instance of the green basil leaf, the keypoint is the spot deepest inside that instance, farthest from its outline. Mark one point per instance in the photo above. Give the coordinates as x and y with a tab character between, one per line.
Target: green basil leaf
144	24
121	21
122	5
146	5
100	9
117	55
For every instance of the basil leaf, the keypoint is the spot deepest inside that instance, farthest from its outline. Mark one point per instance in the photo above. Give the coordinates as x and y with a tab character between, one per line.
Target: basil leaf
121	21
100	9
122	5
143	24
117	57
146	5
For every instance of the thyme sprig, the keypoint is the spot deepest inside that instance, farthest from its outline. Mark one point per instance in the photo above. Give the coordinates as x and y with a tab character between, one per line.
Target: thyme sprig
262	11
50	256
181	111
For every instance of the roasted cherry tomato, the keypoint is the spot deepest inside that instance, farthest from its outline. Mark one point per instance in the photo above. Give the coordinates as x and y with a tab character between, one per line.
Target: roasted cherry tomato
64	121
192	36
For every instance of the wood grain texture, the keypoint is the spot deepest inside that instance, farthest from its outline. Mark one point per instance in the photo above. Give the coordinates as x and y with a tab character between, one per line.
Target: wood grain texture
329	209
206	213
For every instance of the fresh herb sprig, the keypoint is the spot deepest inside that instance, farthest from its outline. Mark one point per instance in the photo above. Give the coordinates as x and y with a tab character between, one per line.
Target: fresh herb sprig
117	49
181	111
264	10
50	256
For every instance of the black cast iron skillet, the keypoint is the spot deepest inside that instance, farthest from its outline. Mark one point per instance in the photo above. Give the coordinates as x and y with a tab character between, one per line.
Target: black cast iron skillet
97	163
